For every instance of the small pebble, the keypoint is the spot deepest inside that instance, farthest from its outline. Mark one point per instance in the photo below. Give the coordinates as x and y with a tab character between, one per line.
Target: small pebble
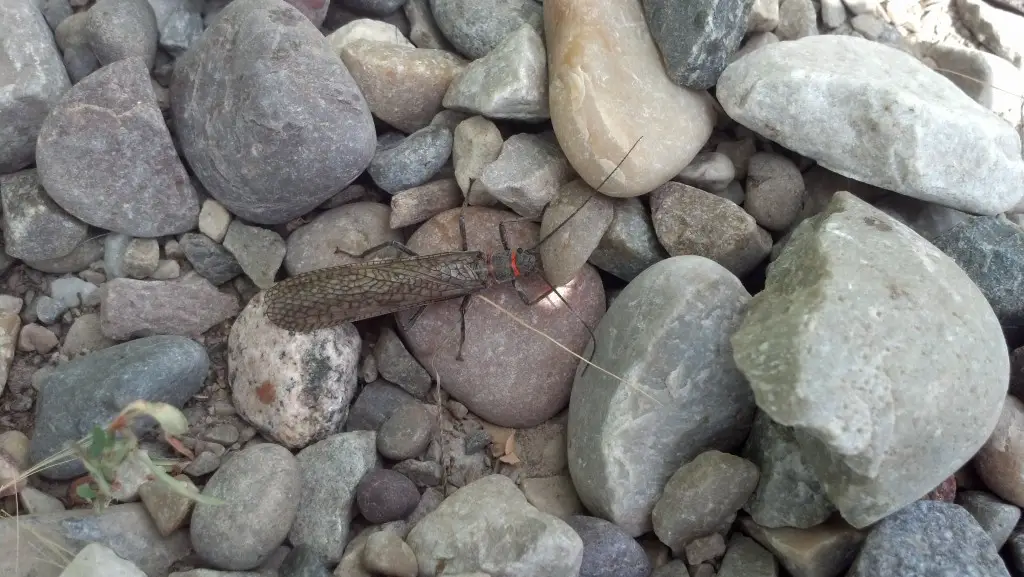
223	434
406	433
214	220
710	171
141	258
387	554
37	338
204	464
422	473
775	191
384	495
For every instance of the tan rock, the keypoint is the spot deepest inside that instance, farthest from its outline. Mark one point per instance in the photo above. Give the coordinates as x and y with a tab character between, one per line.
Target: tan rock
10	326
1000	462
824	550
418	204
576	220
403	86
608	88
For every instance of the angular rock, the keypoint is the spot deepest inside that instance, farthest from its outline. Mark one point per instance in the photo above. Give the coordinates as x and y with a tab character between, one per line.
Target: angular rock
331	470
261	488
510	82
816	345
476	144
990	249
668	334
415	205
294	388
396	365
789	493
630	245
35	228
689	221
92	389
188	306
789	89
180	23
608	88
108	135
526	175
170	510
475	27
928	538
423	30
573	225
403	85
998	30
261	105
745	558
209	259
120	29
366	29
488	380
825	550
996	517
607	550
214	220
488	526
259	251
32	81
696	39
403	163
354	228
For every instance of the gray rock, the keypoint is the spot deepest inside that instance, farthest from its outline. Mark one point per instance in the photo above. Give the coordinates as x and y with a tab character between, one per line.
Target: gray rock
696	39
97	560
211	260
928	538
180	23
387	554
527	174
263	78
354	228
72	39
56	11
396	364
141	258
745	558
302	561
702	498
674	568
825	550
72	292
607	550
928	219
35	228
855	284
573	224
146	191
976	73
690	221
115	245
711	171
32	81
510	82
630	245
92	389
488	526
406	433
797	19
331	470
774	191
376	402
187	306
421	473
997	517
998	30
35	545
415	205
400	164
120	29
789	493
423	30
476	27
668	332
261	486
259	251
990	249
79	259
791	89
477	143
373	7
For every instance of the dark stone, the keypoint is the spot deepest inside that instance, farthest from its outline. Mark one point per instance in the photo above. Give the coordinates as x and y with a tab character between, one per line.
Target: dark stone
92	389
77	55
120	29
303	562
401	164
211	260
607	550
384	495
475	27
375	403
269	118
925	539
35	228
372	7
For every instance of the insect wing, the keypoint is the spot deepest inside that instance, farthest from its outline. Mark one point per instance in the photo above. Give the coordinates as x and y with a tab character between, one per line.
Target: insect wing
331	296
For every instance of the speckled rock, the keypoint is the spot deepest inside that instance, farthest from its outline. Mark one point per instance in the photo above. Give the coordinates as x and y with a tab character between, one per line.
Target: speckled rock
998	518
670	325
607	550
630	244
187	306
354	228
35	227
295	388
385	495
261	486
120	29
526	175
796	346
402	163
1000	462
475	27
209	259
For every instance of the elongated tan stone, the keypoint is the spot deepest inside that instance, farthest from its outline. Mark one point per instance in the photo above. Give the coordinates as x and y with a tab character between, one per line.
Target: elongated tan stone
608	88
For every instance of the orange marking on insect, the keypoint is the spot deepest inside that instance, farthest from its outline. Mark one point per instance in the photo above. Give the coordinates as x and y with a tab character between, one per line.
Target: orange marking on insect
266	393
512	262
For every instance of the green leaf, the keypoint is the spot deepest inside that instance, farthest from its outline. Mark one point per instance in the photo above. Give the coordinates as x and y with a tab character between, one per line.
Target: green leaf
86	492
98	444
177	486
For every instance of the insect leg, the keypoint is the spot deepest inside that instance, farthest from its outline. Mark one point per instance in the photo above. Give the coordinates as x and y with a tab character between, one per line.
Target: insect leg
503	231
378	248
412	319
462	325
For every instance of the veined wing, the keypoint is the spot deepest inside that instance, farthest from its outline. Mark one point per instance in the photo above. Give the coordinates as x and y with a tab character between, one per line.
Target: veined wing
330	296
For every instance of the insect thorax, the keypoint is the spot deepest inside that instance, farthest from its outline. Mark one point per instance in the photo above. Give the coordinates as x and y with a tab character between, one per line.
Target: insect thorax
506	265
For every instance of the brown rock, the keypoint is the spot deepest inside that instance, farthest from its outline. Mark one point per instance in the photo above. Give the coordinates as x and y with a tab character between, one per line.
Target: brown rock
576	220
187	306
510	375
417	204
825	550
353	227
403	86
1000	462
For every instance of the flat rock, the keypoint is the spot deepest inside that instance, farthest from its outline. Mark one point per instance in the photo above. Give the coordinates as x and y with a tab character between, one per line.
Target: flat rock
32	81
573	225
398	366
187	306
488	526
367	29
667	333
608	88
261	105
35	228
92	389
825	550
928	538
180	23
488	380
696	39
415	205
353	228
209	259
870	429
259	251
401	163
475	27
788	91
331	470
108	134
526	175
261	487
510	82
403	85
295	388
630	244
